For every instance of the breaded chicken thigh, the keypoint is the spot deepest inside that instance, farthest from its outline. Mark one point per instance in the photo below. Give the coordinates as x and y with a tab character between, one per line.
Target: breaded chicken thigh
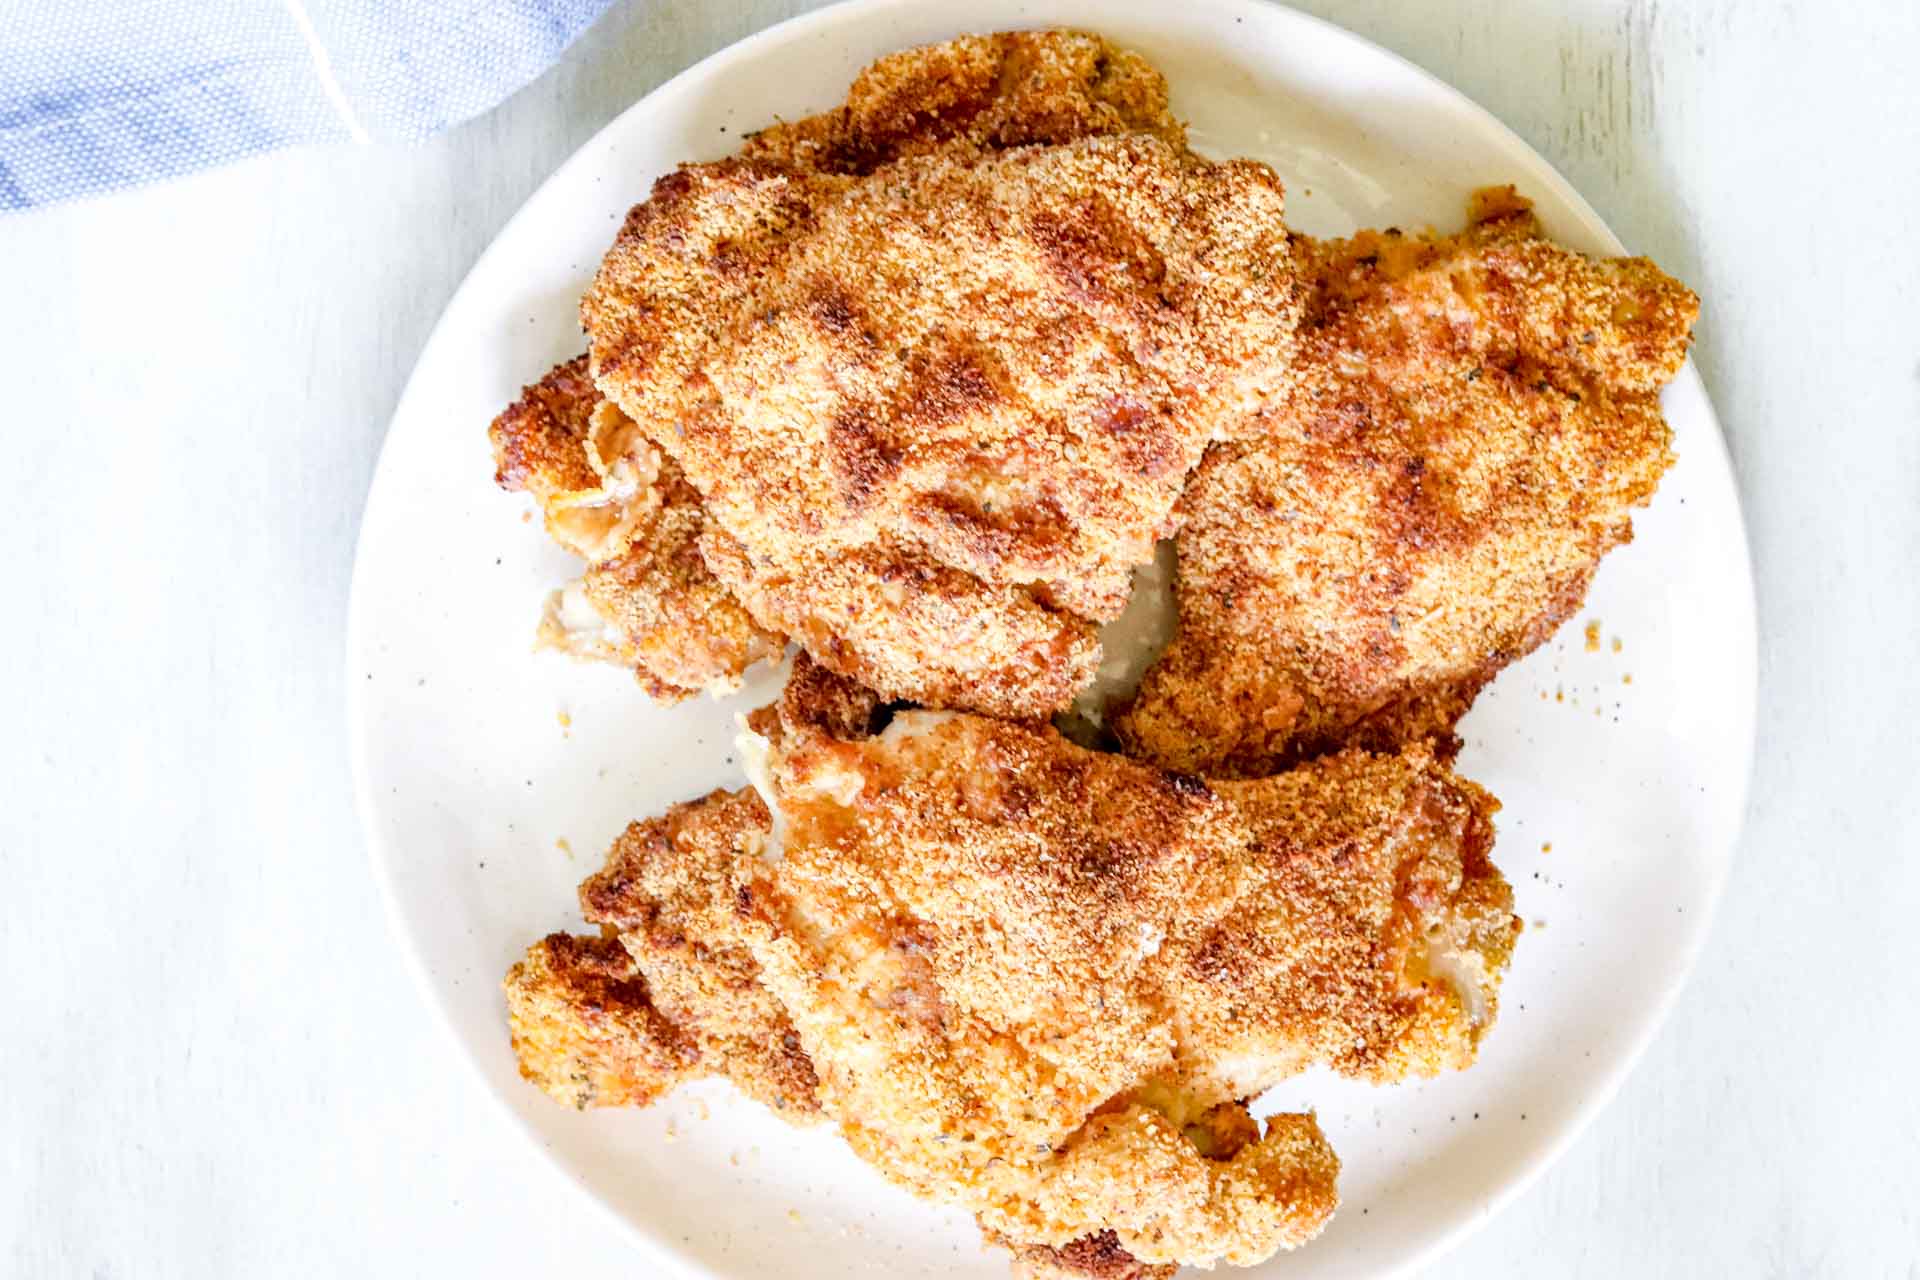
618	1020
584	1027
1473	420
648	602
987	92
1042	983
588	470
937	412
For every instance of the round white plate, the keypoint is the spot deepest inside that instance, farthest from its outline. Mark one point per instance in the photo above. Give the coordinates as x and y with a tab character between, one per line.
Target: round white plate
491	779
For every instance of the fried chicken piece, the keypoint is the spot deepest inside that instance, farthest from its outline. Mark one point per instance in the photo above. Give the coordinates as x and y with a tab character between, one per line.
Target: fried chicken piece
595	478
585	1029
1093	1257
1135	1168
618	1020
1473	419
991	92
1347	909
651	605
648	602
1040	982
658	609
656	890
938	412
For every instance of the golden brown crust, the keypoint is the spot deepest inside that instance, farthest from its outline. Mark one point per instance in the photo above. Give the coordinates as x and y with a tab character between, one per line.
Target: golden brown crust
539	441
964	390
1294	920
656	890
823	702
664	612
1167	1201
1474	418
592	475
1010	89
1039	981
1383	957
659	611
1091	1257
648	602
585	1029
916	627
1036	980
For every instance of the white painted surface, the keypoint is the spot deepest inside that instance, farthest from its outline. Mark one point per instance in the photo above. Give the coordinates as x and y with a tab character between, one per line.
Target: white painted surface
214	1063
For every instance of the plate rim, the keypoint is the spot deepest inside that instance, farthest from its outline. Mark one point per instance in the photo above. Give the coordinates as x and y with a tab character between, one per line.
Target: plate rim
1744	741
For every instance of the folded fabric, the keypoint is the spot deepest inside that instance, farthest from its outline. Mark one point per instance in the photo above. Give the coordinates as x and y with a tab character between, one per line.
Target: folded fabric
101	94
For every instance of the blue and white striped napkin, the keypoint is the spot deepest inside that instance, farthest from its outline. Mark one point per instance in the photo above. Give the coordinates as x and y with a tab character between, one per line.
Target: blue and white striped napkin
100	94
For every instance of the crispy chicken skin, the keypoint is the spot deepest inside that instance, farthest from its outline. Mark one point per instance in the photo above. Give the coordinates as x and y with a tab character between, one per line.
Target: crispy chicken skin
619	1019
937	412
1092	1257
1040	982
657	892
585	1029
1473	419
657	608
594	478
1322	898
990	92
648	601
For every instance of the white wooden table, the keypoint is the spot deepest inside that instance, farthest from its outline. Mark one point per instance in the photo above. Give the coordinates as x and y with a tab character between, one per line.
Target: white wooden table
212	1061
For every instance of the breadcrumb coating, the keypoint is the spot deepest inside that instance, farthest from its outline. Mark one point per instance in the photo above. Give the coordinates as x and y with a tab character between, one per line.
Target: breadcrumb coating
1040	982
892	622
585	1029
1093	1257
1066	867
975	376
1024	969
657	891
593	476
659	609
1473	419
1010	89
648	602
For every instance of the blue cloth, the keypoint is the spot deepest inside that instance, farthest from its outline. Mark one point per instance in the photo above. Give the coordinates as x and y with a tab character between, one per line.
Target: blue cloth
100	94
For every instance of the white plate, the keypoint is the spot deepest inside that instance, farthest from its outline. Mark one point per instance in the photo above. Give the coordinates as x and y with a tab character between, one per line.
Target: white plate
468	782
